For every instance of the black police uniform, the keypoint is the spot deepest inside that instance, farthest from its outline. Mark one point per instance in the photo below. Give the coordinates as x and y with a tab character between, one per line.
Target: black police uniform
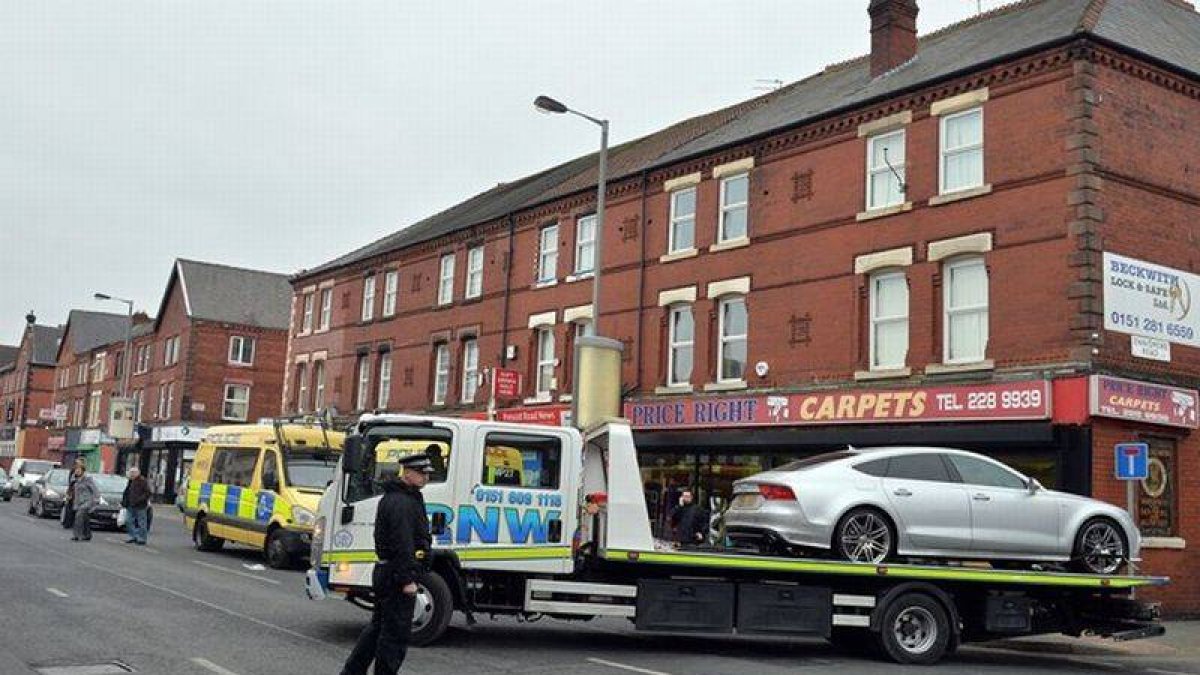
402	543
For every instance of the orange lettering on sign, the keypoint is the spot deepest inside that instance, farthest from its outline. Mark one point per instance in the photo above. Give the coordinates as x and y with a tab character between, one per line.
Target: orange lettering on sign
827	407
808	408
865	403
845	409
918	408
883	407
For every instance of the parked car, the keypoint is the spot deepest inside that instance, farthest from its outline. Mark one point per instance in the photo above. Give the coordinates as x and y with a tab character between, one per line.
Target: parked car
880	504
111	488
48	494
7	486
29	470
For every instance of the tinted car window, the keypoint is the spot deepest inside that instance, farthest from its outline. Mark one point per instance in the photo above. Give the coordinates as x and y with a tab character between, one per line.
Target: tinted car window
975	471
58	477
814	461
923	466
876	467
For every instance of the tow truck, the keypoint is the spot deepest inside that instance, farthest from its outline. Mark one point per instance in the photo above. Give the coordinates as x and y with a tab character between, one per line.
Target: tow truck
534	521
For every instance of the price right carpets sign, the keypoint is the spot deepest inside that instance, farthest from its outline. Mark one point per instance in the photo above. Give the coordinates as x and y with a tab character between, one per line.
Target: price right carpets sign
1144	402
1143	298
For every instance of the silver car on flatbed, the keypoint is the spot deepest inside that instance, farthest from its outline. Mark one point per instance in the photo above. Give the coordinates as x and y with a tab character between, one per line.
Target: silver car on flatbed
878	504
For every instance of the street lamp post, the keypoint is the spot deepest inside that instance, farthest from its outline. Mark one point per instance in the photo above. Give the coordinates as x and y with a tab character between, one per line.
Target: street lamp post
125	359
548	105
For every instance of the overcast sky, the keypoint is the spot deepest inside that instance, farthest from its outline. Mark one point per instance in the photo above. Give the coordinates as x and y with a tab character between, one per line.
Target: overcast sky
278	135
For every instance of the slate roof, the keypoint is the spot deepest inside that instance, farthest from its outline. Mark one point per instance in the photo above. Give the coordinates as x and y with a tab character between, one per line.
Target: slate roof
233	294
1160	30
88	330
8	356
45	344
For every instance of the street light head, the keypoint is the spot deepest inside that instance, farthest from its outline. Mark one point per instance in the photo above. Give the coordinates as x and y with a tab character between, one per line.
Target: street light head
102	296
548	105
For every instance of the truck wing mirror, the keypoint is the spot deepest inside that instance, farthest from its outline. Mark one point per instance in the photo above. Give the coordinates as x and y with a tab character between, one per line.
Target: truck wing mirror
353	454
438	524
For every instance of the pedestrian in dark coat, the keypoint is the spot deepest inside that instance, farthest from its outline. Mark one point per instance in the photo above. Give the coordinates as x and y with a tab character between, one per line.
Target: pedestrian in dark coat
402	543
136	501
85	495
689	521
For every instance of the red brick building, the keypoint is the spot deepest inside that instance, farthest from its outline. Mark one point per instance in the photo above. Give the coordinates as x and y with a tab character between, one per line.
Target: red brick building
27	392
966	239
214	354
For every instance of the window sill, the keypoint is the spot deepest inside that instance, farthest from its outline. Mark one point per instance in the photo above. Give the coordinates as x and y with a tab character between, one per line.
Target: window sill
1172	543
579	276
679	255
674	389
888	374
443	305
952	368
959	195
883	212
740	242
545	284
319	331
232	364
472	299
539	399
732	385
565	398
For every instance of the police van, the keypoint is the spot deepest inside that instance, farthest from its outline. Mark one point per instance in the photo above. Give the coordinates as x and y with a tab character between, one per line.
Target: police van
538	521
259	485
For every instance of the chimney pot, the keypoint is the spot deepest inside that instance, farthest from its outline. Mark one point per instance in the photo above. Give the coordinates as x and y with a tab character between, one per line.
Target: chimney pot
893	34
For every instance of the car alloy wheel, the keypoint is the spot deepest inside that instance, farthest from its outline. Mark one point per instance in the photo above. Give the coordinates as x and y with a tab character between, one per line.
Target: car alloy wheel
865	537
1101	547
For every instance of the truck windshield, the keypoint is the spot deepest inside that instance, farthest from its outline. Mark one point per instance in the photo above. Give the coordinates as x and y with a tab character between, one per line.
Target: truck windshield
40	468
309	468
387	445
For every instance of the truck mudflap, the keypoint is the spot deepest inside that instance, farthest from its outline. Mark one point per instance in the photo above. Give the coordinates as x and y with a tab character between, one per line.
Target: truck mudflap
316	583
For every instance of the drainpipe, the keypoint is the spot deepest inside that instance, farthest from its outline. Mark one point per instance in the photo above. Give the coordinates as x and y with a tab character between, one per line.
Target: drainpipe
637	342
512	226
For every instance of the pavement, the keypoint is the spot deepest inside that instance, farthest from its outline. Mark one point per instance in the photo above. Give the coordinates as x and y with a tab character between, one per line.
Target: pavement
166	608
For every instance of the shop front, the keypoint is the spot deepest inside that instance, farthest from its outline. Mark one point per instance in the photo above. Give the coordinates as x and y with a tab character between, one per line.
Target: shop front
95	447
166	458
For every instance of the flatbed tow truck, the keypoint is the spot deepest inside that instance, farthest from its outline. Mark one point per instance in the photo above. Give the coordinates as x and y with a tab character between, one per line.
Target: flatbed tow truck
545	521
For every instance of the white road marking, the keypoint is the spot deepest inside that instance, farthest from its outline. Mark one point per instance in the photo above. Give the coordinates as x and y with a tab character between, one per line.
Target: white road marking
55	591
1165	672
239	573
622	666
209	665
122	544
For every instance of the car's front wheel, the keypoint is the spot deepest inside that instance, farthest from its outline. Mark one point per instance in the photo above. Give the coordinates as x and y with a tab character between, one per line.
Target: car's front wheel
276	552
203	540
864	535
1100	547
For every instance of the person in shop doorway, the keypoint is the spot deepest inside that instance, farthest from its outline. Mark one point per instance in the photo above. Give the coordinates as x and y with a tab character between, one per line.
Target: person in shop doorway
84	497
689	521
402	542
136	502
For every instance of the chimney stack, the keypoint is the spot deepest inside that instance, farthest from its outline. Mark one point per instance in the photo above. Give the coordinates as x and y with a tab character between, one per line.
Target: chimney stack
893	34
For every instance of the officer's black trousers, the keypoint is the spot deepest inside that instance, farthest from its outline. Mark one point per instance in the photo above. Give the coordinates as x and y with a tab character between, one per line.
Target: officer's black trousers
385	639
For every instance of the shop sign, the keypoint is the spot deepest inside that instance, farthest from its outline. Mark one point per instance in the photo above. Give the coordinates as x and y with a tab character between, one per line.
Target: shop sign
1026	400
89	437
506	383
60	412
1150	348
180	433
1142	298
550	415
46	414
55	443
121	415
1144	402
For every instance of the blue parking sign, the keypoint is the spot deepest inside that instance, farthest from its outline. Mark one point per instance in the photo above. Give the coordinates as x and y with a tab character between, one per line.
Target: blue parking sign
1132	461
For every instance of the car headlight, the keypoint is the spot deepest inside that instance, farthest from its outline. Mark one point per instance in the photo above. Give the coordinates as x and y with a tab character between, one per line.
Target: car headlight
303	517
51	494
317	547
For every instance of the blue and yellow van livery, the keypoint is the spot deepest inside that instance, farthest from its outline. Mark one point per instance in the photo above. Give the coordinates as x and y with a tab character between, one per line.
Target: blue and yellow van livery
259	485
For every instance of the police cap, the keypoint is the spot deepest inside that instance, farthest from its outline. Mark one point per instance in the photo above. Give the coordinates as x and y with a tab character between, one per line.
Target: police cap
417	462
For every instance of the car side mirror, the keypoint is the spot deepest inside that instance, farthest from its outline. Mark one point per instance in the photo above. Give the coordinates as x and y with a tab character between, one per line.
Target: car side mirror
270	483
353	454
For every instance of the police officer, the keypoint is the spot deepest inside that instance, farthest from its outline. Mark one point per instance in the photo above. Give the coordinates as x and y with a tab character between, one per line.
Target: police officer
402	543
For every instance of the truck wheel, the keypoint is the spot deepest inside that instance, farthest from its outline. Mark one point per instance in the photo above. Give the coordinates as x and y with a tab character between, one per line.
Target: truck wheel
1100	547
203	540
275	551
915	630
432	610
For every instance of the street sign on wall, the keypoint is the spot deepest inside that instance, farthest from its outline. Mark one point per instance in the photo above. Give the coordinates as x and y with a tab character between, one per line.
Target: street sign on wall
1143	298
1132	461
506	383
120	417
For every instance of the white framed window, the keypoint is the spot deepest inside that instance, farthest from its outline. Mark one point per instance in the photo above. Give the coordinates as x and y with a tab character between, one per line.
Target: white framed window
385	380
889	320
368	300
64	376
326	308
306	321
681	235
318	377
681	341
733	330
548	254
961	141
170	400
446	280
441	373
241	350
161	412
93	419
546	362
966	310
735	207
100	367
78	416
139	398
81	373
391	289
363	391
237	403
171	351
470	368
585	244
885	153
475	272
301	387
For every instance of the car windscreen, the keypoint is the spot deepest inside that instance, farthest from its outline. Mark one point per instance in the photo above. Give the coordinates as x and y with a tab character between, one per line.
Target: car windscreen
110	483
309	467
58	477
37	467
809	462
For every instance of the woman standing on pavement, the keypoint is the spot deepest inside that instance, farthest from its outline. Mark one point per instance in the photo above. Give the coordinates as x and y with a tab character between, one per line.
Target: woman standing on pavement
84	497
